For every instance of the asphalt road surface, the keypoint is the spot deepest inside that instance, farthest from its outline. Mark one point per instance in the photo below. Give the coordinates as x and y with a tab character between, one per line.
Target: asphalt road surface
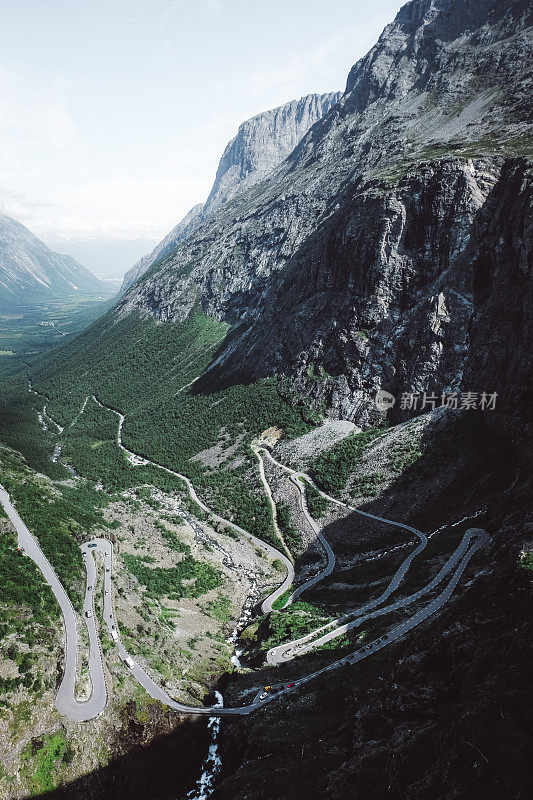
65	700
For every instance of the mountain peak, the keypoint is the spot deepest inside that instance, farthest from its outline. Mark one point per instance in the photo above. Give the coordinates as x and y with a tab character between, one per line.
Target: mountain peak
260	145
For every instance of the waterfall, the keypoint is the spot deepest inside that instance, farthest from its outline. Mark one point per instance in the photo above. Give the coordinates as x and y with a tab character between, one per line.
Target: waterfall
212	764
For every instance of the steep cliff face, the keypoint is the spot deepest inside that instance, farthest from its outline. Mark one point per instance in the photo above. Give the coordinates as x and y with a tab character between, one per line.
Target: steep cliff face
165	246
449	708
261	143
30	271
501	340
355	255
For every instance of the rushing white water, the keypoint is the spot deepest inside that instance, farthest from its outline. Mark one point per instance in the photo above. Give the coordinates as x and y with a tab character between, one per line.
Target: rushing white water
242	622
212	764
42	423
459	522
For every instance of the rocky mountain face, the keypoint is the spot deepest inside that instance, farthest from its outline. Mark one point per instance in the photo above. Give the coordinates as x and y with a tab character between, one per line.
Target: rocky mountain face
354	257
190	220
501	338
261	143
30	271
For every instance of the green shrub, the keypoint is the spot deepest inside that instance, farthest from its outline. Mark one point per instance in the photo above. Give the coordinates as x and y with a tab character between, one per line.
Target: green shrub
170	581
316	504
332	469
291	535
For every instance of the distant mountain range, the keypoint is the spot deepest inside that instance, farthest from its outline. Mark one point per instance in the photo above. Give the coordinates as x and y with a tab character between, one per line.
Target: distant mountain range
31	272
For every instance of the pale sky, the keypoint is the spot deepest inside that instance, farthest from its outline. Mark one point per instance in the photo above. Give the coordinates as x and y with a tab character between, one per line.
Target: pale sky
114	113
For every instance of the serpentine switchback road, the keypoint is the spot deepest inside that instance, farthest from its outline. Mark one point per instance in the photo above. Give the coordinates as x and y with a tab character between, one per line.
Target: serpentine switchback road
80	710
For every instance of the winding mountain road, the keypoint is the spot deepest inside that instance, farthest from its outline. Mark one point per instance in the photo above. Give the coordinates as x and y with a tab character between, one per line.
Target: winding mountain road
77	710
298	647
272	551
330	555
66	701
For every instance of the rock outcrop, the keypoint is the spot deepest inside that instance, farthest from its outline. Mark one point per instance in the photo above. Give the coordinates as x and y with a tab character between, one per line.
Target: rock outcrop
166	245
263	142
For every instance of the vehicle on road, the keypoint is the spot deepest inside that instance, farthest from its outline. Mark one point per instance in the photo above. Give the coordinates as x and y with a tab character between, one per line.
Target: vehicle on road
88	614
263	696
291	685
129	662
89	588
92	545
114	636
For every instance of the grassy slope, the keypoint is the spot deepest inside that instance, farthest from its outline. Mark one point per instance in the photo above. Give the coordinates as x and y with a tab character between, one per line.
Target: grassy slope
59	517
141	367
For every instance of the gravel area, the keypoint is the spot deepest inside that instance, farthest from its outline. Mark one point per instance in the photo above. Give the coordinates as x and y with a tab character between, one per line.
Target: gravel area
311	444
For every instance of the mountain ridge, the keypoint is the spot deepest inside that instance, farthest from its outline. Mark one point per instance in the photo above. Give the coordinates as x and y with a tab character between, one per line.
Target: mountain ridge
390	249
258	147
